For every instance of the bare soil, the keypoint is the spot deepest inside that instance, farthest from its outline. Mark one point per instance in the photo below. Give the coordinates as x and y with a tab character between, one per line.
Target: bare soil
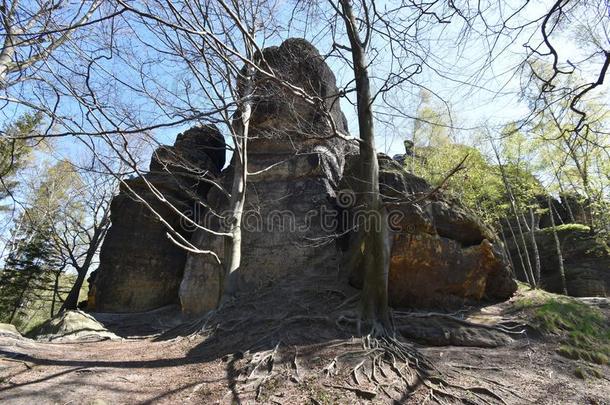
303	356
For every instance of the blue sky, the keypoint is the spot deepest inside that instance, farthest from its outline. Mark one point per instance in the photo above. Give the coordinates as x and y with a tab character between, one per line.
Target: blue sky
478	92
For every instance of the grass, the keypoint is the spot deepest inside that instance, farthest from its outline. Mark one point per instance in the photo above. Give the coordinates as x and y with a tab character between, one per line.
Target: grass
573	235
567	228
583	331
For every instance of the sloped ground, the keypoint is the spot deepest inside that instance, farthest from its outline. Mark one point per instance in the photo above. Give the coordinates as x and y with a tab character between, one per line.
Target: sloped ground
302	355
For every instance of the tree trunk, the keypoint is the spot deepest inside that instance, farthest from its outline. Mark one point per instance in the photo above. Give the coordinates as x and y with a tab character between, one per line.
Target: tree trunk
527	278
534	246
55	293
7	53
506	252
375	239
232	251
71	301
562	273
99	232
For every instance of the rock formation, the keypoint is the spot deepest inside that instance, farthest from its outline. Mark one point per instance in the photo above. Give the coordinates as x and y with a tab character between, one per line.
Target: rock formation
586	261
296	165
442	255
140	267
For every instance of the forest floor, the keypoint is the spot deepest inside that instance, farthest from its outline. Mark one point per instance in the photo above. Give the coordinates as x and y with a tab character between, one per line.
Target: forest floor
253	359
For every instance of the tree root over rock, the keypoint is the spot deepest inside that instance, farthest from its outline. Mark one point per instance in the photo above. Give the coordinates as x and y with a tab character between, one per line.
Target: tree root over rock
379	366
274	339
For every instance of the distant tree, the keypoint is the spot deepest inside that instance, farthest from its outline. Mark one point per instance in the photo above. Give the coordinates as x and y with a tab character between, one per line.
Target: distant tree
15	148
36	258
516	215
81	225
28	270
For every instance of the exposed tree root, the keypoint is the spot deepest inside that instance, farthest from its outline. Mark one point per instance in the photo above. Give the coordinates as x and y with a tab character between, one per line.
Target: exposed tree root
267	330
505	326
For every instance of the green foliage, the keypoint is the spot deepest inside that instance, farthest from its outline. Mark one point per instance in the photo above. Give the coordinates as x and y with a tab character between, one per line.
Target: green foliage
479	186
36	259
566	228
574	235
26	275
431	124
15	149
39	310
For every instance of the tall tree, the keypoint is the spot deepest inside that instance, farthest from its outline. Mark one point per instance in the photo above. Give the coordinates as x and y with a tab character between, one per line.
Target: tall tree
27	271
374	252
34	262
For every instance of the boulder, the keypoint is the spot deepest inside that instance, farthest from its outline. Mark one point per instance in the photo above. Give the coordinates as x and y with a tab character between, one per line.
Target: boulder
586	260
432	271
140	267
71	326
300	202
6	329
298	62
442	255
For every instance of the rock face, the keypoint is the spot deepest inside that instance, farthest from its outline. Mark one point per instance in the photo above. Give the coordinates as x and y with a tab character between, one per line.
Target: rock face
586	261
299	165
442	255
295	223
140	267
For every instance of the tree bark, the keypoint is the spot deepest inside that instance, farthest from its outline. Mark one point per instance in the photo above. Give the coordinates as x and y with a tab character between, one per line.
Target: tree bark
562	273
534	246
55	292
375	239
233	243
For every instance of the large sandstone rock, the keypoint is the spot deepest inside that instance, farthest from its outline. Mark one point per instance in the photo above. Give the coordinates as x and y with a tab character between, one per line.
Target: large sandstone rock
295	219
586	261
299	164
140	267
442	255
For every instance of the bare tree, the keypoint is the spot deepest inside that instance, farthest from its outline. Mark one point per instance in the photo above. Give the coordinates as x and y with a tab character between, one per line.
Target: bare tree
79	233
374	258
562	273
219	43
34	30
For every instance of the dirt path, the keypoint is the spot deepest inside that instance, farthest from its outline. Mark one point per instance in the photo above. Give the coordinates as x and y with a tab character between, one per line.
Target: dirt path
211	370
163	372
